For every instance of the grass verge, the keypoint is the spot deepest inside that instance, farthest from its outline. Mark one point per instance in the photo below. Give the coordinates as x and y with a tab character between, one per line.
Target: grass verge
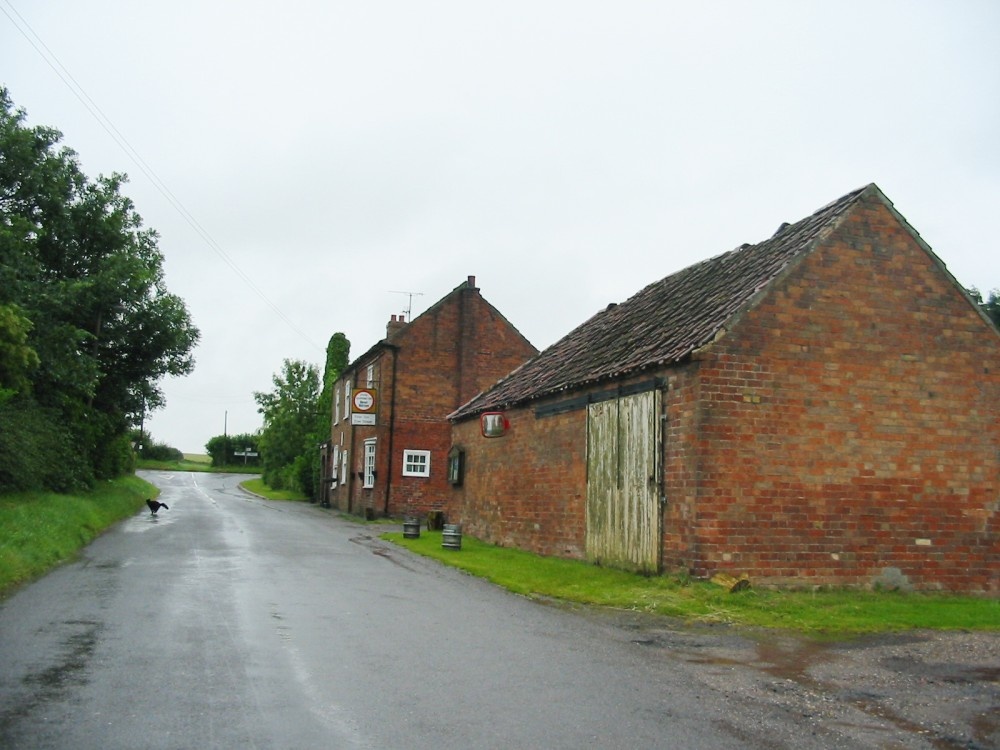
41	530
834	612
195	464
257	487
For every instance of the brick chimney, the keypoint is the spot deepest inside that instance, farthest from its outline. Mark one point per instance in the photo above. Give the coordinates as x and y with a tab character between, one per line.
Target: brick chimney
396	322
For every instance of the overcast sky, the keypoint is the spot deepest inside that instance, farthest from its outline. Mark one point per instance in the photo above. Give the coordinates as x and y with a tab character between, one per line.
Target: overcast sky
305	161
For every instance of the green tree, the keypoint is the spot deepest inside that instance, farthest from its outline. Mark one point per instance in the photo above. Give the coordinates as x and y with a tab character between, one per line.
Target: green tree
17	359
82	287
990	305
154	450
338	351
297	418
222	449
289	413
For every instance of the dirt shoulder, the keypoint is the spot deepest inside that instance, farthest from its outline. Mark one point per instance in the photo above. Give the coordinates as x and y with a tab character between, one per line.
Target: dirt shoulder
920	689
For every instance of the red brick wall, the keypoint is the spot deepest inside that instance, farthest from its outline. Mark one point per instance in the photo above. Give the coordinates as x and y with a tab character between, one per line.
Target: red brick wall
847	424
337	495
365	500
418	495
526	489
452	352
851	423
444	357
680	468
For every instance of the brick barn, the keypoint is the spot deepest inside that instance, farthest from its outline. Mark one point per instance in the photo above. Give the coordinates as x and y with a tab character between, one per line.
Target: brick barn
390	435
822	407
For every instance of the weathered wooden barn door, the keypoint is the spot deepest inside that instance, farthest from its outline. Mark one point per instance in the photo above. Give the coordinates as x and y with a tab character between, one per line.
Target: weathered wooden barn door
623	521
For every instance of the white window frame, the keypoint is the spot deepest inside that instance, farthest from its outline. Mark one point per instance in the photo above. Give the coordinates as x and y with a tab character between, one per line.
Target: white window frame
369	471
336	406
335	463
347	399
370	380
419	468
343	466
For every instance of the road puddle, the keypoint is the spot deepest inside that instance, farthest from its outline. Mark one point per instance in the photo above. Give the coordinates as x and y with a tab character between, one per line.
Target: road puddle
146	521
67	670
379	548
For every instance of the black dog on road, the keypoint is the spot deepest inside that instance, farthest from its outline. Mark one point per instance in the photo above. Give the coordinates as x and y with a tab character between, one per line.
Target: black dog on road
155	505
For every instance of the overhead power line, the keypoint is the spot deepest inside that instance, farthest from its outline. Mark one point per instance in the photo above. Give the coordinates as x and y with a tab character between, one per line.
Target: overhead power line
109	127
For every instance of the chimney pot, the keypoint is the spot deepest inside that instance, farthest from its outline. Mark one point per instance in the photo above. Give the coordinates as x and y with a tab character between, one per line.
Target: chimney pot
395	323
472	282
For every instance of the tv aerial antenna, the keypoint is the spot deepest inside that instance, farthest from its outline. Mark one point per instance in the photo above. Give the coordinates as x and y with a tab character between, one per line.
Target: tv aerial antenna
409	304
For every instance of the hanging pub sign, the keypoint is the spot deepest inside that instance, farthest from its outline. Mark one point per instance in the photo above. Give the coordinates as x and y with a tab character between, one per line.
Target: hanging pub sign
494	424
363	406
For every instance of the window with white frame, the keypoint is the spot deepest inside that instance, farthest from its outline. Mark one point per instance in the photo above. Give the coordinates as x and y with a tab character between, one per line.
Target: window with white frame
370	380
335	463
347	399
369	475
336	407
416	463
343	467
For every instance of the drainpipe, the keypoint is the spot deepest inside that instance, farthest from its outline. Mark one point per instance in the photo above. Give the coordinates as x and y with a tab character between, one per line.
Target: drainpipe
350	452
392	432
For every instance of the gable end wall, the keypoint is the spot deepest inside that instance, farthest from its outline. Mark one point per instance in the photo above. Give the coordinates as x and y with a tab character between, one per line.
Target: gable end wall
433	365
850	424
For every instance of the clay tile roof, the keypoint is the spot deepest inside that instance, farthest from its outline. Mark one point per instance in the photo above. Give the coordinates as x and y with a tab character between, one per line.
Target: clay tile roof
665	322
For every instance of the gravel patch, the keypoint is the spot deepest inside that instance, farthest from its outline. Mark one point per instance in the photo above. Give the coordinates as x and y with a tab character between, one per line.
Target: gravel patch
917	690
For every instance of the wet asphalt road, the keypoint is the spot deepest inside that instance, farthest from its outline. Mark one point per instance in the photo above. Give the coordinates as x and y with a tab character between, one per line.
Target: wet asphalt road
231	622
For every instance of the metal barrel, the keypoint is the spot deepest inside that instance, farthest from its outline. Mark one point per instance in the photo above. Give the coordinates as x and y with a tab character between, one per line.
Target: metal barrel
411	527
451	536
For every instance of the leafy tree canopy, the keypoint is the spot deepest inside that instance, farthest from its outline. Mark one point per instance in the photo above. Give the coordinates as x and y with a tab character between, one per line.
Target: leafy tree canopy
338	351
87	326
289	413
17	359
297	415
990	305
223	448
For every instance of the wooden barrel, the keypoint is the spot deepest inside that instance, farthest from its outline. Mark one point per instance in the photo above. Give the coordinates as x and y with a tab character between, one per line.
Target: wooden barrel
411	527
451	536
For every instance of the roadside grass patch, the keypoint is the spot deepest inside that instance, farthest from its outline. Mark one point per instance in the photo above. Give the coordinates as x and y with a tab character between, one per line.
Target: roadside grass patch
257	487
829	612
195	462
40	530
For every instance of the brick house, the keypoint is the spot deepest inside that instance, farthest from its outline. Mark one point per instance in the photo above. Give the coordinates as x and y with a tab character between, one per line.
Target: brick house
822	407
390	436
